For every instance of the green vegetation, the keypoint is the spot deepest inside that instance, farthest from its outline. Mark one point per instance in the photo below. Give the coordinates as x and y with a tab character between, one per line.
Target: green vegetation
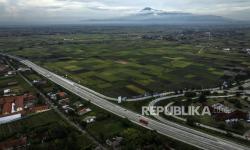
16	84
134	136
136	105
109	126
30	123
119	61
239	128
59	134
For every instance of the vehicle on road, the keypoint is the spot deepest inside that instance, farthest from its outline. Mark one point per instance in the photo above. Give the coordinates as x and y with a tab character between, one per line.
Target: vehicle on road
143	121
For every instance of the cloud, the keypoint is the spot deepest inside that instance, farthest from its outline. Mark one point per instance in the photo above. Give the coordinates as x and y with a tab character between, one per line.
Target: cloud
112	8
3	1
65	10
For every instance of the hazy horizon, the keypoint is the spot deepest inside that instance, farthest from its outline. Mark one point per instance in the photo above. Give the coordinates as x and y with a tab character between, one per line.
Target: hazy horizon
74	11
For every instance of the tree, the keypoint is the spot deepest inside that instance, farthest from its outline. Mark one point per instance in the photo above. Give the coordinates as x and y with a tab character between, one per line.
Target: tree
20	48
246	98
101	136
238	125
222	126
72	113
83	124
125	122
57	131
188	102
238	104
225	92
239	78
132	136
215	93
181	91
238	94
1	93
102	116
202	98
206	93
38	95
241	88
149	137
192	121
190	94
41	101
229	134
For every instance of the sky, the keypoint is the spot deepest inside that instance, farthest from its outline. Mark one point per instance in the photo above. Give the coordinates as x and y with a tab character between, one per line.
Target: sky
74	11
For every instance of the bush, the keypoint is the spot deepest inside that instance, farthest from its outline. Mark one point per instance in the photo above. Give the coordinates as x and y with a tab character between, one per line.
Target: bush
229	134
222	126
206	93
202	98
238	104
238	125
241	88
190	94
192	121
83	124
246	98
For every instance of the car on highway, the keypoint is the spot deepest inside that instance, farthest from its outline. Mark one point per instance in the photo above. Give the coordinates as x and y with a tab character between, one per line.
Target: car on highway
143	121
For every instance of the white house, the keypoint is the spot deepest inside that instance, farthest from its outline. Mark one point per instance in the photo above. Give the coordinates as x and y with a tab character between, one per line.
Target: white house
248	51
89	119
119	99
9	118
221	108
6	91
226	49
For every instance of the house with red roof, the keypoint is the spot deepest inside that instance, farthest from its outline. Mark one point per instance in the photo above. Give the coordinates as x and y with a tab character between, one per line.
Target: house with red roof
238	114
61	94
7	108
41	108
13	107
19	103
28	97
14	144
11	104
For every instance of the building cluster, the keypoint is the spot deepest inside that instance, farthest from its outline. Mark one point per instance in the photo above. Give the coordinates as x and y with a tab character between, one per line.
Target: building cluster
20	143
153	37
39	82
242	50
246	51
23	69
14	107
6	71
3	68
115	142
62	99
221	112
226	49
13	104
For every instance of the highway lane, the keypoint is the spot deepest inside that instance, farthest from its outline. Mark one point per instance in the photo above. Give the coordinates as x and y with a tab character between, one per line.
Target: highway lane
184	134
158	117
175	131
135	118
216	89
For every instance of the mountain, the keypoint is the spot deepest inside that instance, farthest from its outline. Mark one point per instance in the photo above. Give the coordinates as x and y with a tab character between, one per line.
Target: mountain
147	11
149	15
